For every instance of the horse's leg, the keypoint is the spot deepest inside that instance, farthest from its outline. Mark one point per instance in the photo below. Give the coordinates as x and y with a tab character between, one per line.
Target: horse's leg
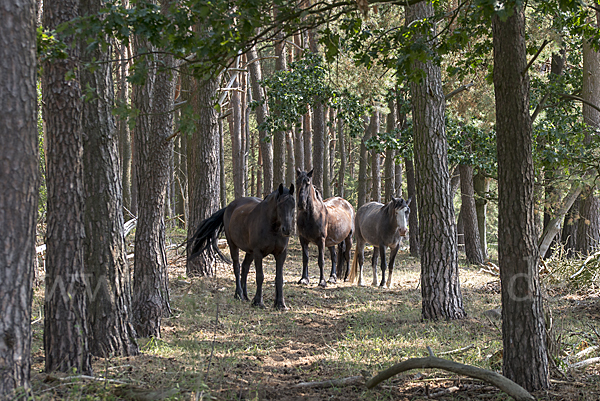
374	265
383	265
304	279
360	248
235	257
279	261
260	277
347	249
244	280
333	275
393	253
321	248
339	268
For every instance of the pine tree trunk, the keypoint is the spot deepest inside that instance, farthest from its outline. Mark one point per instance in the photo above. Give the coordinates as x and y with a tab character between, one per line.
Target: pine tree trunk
65	317
266	151
469	214
389	169
525	362
19	200
151	161
123	131
326	177
279	136
237	151
342	151
481	186
375	160
440	286
413	218
307	136
203	170
588	232
299	146
105	259
362	168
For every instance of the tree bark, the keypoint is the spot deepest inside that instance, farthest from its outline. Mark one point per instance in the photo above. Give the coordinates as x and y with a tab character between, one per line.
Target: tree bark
65	317
105	259
279	136
481	185
123	131
588	231
326	166
413	218
203	170
307	136
266	151
467	210
440	286
154	100
342	150
525	359
19	158
376	160
237	150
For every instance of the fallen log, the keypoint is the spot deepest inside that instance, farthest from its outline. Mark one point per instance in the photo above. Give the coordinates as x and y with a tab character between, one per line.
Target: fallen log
508	386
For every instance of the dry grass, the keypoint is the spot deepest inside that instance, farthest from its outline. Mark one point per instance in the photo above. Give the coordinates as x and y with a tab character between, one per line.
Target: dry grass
330	333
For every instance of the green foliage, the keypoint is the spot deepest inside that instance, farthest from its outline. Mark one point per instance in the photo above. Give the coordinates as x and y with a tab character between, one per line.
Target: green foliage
49	47
471	143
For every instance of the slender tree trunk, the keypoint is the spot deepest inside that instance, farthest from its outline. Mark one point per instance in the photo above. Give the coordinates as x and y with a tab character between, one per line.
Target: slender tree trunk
111	331
203	170
362	166
467	210
307	135
326	161
413	218
299	146
342	151
318	153
19	158
440	286
376	160
154	100
123	131
237	150
525	362
291	162
65	317
279	136
389	170
569	229
266	151
332	142
481	186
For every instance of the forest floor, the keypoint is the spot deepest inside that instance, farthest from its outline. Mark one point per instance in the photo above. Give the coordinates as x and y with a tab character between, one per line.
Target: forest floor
216	347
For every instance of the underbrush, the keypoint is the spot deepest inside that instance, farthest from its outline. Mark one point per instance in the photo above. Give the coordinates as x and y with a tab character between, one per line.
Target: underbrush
216	347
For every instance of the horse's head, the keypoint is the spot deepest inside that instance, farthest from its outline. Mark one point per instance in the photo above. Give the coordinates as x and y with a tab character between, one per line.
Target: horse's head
401	210
304	183
285	209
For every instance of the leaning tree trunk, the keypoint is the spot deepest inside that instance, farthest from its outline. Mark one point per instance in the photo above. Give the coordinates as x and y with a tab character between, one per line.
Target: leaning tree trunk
469	215
111	331
389	168
440	286
65	317
203	170
19	158
152	154
375	160
266	151
523	326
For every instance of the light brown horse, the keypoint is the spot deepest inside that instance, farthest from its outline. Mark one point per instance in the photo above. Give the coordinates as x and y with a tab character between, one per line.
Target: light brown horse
381	226
324	223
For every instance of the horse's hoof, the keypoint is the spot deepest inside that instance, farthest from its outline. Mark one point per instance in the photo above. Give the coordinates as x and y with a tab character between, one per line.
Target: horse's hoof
238	296
258	304
323	284
281	307
375	284
332	280
303	280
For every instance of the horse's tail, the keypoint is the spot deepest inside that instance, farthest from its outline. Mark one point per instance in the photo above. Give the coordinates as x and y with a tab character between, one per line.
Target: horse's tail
354	269
207	236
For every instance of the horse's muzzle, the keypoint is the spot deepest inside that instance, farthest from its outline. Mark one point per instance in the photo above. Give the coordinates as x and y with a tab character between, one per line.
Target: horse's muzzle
403	232
286	231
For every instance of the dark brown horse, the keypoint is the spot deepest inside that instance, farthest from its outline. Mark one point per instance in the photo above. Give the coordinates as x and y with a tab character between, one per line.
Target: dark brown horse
259	228
325	224
381	226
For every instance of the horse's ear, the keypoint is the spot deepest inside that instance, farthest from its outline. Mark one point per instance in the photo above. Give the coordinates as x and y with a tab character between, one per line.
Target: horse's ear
408	201
291	189
280	189
310	173
298	172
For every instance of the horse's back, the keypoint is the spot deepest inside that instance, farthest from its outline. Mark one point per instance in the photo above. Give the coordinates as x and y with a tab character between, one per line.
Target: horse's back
236	222
368	220
340	220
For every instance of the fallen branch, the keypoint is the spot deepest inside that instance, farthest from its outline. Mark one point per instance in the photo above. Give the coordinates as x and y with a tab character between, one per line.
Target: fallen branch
346	381
86	377
457	351
585	363
508	386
